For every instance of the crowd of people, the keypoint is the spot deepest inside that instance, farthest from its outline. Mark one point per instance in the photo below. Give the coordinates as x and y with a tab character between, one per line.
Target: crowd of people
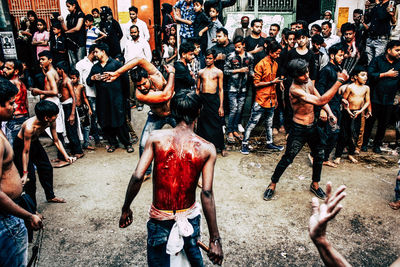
314	83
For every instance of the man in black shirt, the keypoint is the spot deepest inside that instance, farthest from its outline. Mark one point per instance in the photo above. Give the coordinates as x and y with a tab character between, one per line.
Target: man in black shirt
383	73
255	43
184	79
327	79
379	18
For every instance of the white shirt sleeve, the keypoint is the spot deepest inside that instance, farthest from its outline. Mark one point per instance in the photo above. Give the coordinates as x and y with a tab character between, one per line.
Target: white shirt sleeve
147	51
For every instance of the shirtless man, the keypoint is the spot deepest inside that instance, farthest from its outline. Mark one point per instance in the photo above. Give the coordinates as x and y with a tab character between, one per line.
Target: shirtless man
12	69
68	102
210	88
13	233
153	90
29	151
180	156
50	93
357	100
303	98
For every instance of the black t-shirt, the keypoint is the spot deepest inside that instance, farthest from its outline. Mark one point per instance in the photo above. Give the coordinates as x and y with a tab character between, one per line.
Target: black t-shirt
183	79
309	57
251	43
78	37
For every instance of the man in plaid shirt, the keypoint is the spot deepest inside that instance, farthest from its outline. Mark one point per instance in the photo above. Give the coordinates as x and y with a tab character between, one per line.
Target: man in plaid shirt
184	14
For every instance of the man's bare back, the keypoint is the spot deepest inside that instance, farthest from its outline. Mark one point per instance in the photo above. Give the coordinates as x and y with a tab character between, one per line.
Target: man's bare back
178	159
10	181
303	112
209	78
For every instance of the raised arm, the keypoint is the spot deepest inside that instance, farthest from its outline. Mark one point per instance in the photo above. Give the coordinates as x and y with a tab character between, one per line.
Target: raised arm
207	200
136	182
157	97
141	62
321	215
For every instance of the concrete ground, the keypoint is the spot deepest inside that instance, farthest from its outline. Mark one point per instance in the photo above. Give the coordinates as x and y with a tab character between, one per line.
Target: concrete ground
84	231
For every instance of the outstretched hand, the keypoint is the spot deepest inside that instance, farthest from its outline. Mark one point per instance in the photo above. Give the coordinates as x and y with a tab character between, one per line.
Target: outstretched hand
322	214
343	75
110	76
126	218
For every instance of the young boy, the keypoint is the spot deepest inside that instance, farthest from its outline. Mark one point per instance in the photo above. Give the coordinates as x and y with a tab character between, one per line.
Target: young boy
356	99
238	67
58	45
83	107
93	34
200	24
29	152
212	31
96	17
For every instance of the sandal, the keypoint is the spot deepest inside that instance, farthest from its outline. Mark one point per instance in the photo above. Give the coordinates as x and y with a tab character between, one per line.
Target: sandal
230	140
110	149
129	149
238	135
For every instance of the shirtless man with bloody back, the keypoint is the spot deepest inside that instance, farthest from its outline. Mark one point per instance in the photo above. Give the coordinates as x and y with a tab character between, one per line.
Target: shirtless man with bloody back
180	156
13	233
153	90
303	98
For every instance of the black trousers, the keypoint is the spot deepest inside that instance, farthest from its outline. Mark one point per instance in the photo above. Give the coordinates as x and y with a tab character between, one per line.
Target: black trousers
349	132
381	113
298	136
72	131
37	156
330	136
122	132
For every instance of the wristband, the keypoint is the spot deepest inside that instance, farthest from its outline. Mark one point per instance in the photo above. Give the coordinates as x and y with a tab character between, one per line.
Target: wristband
340	80
25	172
215	240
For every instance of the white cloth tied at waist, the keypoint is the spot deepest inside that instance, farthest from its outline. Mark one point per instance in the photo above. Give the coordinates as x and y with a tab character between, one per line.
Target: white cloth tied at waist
181	228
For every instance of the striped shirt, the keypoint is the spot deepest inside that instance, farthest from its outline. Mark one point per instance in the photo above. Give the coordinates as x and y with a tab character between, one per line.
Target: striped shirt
91	36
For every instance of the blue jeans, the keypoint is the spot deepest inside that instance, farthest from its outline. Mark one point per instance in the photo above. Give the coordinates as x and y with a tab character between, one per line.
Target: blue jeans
256	112
236	102
13	241
13	126
397	189
93	119
153	122
75	56
375	47
157	237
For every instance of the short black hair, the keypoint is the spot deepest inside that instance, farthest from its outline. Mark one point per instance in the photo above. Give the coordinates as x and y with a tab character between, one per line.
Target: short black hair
285	31
91	48
46	53
17	64
223	30
358	11
102	46
186	47
45	108
134	26
276	25
392	44
7	90
303	23
254	21
273	47
195	40
211	52
89	17
198	1
95	10
327	23
138	74
297	67
238	39
347	27
319	29
334	49
74	72
56	25
357	69
186	106
317	39
291	33
134	9
302	32
63	65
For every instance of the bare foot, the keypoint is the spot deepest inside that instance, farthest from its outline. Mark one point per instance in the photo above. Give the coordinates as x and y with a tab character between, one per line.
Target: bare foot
337	161
310	158
330	164
61	164
146	177
352	159
90	148
56	200
224	153
357	151
199	184
395	205
78	156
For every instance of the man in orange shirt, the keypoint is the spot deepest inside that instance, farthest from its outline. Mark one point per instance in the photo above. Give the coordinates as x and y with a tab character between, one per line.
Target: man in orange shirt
265	101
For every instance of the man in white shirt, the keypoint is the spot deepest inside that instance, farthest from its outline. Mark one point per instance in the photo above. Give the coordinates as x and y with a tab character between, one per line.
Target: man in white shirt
327	17
84	67
329	38
144	31
136	46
